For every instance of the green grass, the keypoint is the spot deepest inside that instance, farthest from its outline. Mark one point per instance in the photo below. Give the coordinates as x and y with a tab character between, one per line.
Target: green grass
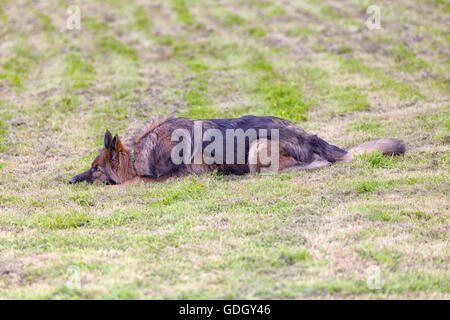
286	236
78	71
406	59
110	44
2	135
180	8
16	66
375	159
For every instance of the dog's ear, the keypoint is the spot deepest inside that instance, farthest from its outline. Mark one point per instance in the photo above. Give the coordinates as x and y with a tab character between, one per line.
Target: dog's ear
116	144
108	139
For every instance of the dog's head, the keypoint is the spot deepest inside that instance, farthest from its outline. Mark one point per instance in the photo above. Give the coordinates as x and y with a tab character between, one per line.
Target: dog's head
111	166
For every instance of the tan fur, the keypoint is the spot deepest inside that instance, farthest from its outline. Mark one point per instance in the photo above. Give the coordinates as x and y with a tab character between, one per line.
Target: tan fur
387	146
297	150
125	170
262	147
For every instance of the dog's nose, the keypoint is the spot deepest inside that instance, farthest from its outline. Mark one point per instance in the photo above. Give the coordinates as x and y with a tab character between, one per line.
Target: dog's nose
73	180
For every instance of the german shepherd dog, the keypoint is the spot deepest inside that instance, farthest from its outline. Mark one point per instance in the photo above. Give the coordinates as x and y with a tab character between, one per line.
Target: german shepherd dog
149	157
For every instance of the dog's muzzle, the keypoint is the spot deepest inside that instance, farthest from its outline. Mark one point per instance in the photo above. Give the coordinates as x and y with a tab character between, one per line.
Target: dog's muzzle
85	176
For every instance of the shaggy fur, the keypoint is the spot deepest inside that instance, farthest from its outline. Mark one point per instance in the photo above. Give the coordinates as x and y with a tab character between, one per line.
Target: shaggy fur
298	150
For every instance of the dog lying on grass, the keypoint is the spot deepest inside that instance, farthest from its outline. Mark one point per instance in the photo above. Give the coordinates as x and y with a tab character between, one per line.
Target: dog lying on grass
181	146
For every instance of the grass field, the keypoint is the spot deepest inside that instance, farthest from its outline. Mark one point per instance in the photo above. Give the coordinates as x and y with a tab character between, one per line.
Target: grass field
331	233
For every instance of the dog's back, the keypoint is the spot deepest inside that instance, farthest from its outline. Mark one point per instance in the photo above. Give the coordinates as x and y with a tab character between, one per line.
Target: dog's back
297	149
179	146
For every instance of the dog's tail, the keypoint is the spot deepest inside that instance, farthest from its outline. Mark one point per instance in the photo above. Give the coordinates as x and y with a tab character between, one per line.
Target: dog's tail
387	146
334	154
